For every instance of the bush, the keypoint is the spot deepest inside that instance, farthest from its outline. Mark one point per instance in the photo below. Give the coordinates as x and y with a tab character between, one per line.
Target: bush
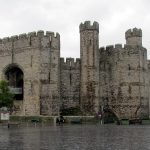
6	97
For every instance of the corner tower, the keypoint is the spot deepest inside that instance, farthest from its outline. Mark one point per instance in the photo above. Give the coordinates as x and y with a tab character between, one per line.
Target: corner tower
89	44
135	75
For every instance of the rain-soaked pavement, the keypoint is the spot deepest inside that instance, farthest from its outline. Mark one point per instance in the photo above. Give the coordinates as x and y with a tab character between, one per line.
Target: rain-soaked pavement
76	137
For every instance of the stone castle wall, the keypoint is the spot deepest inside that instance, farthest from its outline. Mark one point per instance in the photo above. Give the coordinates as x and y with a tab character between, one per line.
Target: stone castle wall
50	74
30	53
89	44
69	82
123	84
115	78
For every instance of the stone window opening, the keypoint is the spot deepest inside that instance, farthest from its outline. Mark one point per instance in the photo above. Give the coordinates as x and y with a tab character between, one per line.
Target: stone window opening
129	67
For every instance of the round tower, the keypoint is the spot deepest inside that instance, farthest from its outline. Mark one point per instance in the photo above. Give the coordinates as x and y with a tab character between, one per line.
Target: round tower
89	44
134	37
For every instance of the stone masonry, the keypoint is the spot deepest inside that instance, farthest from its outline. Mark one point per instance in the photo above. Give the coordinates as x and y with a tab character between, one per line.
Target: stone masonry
113	77
38	56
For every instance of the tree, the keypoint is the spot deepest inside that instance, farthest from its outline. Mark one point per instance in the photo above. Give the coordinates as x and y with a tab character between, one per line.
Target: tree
6	97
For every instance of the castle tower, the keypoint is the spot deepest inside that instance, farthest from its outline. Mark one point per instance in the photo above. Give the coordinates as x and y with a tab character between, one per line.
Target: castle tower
89	44
136	60
134	37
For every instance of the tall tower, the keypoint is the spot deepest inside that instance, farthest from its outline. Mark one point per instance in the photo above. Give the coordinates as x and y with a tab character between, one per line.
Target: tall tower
136	60
89	44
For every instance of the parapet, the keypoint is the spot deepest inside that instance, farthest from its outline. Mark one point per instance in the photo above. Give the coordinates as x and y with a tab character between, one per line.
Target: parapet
39	33
70	63
111	48
115	47
133	33
87	26
26	39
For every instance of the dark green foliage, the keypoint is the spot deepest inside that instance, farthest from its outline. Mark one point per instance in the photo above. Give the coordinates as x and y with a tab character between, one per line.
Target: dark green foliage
72	111
6	98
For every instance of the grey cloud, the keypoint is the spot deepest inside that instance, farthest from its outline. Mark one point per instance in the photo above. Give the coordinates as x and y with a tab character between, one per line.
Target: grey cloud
64	16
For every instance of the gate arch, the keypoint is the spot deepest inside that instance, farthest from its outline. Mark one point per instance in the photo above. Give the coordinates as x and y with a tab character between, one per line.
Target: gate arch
15	77
109	116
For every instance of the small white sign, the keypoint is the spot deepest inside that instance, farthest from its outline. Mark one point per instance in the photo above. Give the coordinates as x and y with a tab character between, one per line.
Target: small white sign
4	116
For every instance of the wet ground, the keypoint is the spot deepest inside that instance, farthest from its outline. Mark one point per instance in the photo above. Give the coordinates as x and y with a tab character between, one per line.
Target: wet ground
75	137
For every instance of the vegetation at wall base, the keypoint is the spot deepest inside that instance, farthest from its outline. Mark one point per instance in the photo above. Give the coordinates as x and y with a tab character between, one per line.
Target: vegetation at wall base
72	111
6	97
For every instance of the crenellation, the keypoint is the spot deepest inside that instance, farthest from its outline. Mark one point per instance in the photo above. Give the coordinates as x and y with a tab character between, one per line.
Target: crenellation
23	36
40	33
32	40
102	49
53	34
32	34
69	61
14	38
28	37
116	76
62	60
133	33
75	63
87	26
57	35
78	61
5	40
109	47
134	37
49	33
126	46
118	46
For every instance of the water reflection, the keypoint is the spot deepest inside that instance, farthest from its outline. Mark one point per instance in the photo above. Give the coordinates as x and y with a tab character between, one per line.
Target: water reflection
76	137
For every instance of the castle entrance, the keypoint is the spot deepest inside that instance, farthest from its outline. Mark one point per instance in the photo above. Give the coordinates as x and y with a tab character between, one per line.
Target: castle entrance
14	76
109	116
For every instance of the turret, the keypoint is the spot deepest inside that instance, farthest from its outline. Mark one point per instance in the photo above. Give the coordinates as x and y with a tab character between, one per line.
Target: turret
87	26
89	44
134	37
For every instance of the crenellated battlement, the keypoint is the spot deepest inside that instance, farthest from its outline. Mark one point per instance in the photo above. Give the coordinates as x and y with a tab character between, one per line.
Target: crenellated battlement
111	47
88	26
133	33
38	34
115	47
70	62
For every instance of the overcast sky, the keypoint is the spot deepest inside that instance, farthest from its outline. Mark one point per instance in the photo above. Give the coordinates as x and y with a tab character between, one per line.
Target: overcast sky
64	16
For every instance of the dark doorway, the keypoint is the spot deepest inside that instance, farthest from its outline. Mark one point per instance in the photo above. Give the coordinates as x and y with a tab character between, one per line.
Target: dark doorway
14	75
109	116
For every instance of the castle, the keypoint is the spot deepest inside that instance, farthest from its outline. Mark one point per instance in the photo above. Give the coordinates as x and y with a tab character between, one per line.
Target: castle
116	77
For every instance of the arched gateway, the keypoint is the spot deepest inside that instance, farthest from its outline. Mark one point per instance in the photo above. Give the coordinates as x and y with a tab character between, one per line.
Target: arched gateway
14	76
45	82
30	64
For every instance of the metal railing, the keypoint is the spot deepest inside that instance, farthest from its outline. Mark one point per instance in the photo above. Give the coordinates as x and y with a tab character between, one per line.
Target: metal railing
15	90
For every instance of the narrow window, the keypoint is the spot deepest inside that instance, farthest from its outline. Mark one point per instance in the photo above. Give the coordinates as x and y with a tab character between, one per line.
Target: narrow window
31	60
70	79
129	67
49	77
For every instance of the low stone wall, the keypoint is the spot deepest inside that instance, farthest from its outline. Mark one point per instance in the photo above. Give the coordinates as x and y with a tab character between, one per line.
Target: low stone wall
83	119
39	119
51	119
